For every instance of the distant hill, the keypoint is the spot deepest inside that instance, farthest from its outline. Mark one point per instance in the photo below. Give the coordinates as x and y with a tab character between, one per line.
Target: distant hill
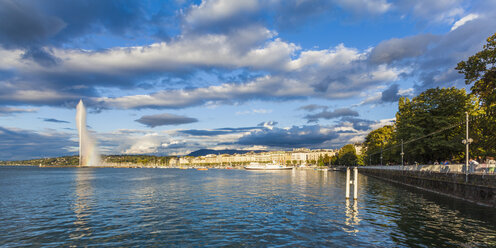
203	152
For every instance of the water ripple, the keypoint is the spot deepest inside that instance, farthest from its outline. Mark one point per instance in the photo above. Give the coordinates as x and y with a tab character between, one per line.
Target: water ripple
177	208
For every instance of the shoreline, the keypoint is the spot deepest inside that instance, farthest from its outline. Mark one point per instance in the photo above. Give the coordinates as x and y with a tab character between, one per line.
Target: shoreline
156	167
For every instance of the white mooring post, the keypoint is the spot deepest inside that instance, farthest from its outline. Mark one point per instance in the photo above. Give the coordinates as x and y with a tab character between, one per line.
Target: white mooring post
347	183
355	183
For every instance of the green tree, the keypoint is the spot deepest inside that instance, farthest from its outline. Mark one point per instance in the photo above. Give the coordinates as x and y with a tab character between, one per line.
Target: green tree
334	160
480	70
326	160
431	111
376	140
320	161
347	155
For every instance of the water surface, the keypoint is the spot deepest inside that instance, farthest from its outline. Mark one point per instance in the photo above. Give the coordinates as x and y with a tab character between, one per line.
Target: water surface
185	208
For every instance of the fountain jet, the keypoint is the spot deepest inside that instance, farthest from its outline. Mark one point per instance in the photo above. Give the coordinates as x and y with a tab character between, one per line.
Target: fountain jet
88	152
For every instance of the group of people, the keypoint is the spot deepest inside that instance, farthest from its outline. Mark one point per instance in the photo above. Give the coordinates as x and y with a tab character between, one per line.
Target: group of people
446	162
488	165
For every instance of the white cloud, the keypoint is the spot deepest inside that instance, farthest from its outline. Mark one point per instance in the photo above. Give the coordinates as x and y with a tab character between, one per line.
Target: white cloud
145	145
213	11
440	11
238	49
12	110
367	6
382	123
464	20
339	72
254	111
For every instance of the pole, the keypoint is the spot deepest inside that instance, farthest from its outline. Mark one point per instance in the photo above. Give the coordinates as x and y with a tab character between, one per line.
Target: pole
466	148
381	155
355	183
402	153
347	183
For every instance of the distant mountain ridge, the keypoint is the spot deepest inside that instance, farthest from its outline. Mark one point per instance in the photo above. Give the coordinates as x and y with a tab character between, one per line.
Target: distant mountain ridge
203	152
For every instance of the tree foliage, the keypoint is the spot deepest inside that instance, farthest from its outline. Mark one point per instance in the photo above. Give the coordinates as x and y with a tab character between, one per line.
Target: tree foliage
431	125
480	70
375	141
347	156
431	111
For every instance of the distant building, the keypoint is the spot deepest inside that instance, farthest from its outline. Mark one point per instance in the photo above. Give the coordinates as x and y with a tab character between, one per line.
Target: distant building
300	155
358	148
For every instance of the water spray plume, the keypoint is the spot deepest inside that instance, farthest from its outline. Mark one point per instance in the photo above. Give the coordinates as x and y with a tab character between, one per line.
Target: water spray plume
88	152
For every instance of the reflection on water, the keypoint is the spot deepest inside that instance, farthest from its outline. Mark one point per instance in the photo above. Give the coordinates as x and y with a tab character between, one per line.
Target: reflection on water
352	217
185	208
82	203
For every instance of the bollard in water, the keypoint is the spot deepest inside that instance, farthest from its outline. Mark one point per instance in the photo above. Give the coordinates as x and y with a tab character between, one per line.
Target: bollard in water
347	183
355	183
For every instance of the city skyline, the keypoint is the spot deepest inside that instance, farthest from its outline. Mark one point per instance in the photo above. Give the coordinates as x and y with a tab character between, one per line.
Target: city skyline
171	77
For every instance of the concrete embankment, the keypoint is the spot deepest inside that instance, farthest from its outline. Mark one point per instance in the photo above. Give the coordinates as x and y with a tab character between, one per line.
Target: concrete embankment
479	188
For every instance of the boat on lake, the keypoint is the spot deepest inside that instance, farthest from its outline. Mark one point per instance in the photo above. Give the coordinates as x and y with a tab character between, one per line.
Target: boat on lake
269	166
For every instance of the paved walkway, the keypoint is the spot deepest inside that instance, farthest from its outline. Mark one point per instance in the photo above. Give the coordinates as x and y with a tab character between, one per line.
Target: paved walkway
452	168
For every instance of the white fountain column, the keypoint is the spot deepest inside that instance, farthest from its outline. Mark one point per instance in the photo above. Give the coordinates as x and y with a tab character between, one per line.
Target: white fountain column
88	152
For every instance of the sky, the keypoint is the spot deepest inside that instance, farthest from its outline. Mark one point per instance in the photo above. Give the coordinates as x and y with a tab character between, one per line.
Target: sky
172	77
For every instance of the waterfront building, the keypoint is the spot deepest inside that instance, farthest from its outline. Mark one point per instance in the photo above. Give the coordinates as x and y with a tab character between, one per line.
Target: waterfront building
300	156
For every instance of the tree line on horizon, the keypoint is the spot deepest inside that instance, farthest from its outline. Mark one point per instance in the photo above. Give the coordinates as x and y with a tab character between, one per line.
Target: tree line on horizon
74	160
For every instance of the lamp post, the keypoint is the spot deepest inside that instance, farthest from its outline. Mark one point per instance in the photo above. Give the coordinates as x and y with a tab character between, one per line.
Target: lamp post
381	154
467	142
402	153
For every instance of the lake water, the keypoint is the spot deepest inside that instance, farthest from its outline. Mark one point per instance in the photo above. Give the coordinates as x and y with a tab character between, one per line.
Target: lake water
235	208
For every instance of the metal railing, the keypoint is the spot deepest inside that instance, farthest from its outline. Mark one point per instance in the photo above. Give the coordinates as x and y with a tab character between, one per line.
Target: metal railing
480	169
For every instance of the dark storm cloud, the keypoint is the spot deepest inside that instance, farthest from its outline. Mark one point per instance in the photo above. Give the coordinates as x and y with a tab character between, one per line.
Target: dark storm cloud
437	67
32	93
41	56
284	14
38	27
397	49
391	94
54	120
325	114
267	124
345	131
195	132
312	107
16	144
219	131
304	136
165	119
238	129
295	13
25	23
22	24
432	58
359	124
213	24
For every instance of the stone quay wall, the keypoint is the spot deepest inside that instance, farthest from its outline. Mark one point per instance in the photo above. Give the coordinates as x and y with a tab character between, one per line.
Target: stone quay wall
479	188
